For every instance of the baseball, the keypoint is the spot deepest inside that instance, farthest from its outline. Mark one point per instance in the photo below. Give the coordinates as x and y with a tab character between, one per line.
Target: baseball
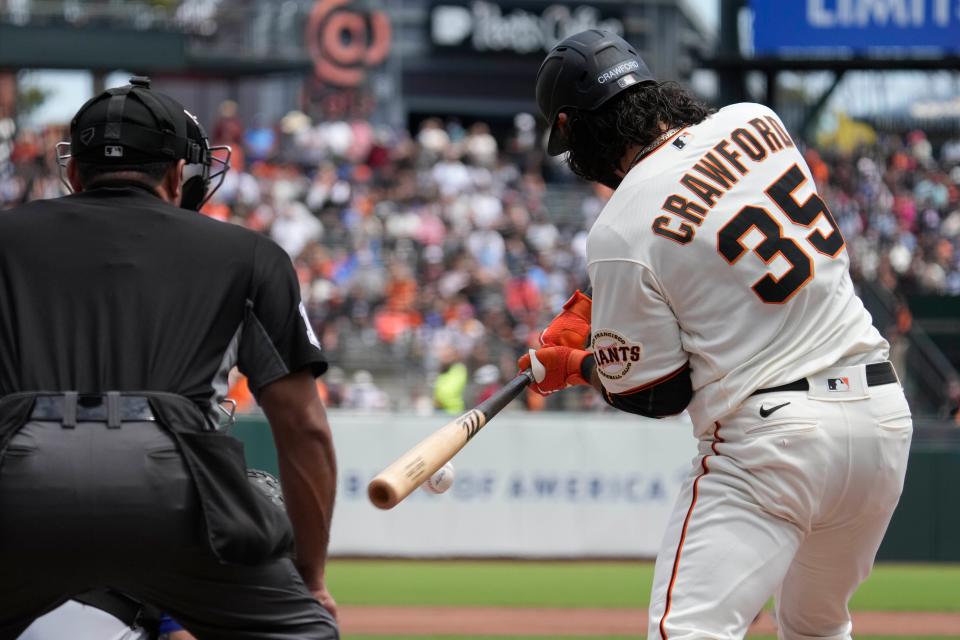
441	480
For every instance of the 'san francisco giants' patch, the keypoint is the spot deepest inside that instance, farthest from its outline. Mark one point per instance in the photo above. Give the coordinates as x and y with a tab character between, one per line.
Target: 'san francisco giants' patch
614	354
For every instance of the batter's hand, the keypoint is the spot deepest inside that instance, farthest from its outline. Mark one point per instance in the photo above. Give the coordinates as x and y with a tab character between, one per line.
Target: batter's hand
554	368
571	327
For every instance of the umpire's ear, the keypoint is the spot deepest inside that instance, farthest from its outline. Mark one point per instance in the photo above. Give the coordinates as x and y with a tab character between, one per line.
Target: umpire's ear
172	182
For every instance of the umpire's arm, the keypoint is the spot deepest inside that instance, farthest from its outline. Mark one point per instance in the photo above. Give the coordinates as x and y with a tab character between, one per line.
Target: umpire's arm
281	356
308	470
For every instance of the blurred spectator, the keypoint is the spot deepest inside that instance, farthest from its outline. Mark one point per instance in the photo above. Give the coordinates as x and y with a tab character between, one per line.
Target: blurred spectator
331	387
362	394
409	244
228	129
451	383
486	379
294	227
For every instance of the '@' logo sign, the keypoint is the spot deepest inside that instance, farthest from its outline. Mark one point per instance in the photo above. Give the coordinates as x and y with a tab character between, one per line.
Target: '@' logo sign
344	42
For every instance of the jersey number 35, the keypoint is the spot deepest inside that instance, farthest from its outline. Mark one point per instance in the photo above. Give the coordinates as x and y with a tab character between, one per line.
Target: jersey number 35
770	289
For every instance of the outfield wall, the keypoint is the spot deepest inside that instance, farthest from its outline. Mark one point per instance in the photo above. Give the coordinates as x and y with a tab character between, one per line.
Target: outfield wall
530	485
573	485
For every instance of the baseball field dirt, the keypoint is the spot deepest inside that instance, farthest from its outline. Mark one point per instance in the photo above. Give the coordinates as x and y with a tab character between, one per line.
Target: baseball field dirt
551	622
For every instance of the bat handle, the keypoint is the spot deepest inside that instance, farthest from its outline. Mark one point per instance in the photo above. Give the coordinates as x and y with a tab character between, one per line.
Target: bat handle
492	405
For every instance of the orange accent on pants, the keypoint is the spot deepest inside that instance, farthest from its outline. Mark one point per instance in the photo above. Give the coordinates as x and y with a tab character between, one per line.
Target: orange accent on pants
683	533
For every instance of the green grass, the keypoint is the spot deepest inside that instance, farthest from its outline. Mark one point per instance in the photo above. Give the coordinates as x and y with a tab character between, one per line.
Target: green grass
493	583
908	587
892	587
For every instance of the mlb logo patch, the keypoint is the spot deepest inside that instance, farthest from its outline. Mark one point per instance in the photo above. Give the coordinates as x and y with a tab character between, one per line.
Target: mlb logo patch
681	140
113	151
838	384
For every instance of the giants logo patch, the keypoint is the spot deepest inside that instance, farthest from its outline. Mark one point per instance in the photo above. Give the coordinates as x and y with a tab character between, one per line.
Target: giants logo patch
614	354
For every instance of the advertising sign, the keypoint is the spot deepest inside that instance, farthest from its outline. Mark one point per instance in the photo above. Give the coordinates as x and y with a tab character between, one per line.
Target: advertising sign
344	41
871	27
546	485
484	26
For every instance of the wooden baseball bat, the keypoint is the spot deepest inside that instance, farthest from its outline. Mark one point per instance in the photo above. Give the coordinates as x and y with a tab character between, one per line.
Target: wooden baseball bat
413	468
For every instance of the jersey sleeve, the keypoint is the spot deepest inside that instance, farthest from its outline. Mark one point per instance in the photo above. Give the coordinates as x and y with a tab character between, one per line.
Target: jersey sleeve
635	340
277	338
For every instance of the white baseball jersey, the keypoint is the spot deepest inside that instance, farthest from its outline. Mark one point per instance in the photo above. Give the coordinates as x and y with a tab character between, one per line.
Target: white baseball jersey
716	252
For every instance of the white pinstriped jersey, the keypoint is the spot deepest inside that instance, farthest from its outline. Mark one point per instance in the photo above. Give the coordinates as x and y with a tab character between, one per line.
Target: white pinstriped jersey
717	251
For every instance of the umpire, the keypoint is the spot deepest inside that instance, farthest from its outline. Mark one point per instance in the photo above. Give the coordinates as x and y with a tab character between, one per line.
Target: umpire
121	312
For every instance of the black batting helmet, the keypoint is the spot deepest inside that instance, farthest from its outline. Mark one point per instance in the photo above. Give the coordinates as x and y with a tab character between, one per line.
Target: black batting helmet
583	72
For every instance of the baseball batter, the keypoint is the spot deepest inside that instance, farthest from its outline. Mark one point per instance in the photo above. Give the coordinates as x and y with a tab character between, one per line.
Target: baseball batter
721	286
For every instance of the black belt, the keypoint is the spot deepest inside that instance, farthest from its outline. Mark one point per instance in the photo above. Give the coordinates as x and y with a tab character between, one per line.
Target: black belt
116	604
121	606
71	407
877	373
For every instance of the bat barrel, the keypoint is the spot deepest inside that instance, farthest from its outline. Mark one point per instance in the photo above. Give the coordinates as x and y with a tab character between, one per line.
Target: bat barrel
413	468
382	494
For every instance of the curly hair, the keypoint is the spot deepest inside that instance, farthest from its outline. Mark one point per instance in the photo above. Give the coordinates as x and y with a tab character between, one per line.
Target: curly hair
599	138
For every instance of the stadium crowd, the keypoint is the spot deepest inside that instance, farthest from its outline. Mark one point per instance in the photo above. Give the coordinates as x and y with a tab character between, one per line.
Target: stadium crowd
429	259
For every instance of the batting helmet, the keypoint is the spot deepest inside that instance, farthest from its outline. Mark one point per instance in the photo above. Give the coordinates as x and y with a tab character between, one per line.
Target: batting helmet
583	72
135	125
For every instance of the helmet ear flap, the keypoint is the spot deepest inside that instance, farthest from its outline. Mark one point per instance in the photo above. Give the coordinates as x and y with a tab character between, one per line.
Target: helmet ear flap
193	192
201	181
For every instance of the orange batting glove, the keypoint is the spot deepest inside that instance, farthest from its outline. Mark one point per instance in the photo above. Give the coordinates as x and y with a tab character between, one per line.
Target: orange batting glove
554	368
571	327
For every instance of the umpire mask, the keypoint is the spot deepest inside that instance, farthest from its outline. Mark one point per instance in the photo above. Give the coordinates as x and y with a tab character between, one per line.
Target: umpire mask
202	179
131	125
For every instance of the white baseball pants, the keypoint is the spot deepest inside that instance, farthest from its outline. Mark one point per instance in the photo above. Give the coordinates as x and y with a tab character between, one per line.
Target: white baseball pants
793	504
80	622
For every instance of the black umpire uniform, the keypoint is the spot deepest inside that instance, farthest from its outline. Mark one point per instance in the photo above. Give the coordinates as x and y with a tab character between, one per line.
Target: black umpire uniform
120	316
